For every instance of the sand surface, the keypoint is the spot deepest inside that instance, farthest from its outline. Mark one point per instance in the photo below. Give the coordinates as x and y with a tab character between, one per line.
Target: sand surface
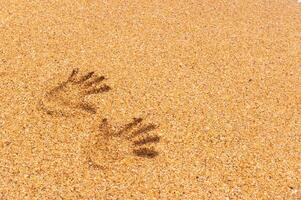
189	99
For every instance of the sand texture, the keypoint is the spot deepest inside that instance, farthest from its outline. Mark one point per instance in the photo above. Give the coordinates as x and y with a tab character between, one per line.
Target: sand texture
177	99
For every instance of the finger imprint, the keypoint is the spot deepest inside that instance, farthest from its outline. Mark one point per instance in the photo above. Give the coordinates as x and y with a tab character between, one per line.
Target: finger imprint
143	130
88	108
130	126
95	81
102	89
150	139
85	77
145	152
73	74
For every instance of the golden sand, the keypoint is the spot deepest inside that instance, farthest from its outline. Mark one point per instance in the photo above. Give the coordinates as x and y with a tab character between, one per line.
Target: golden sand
150	99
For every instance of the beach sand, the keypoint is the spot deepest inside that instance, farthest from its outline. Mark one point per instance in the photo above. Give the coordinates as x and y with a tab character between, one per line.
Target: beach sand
188	99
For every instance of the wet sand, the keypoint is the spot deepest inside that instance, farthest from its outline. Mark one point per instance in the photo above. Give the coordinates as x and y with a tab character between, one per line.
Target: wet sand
150	100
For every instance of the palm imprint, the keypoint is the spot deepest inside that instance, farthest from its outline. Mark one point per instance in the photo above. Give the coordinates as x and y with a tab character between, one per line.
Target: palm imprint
109	145
70	95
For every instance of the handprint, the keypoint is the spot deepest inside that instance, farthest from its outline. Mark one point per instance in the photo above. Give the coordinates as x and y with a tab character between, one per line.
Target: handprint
70	95
109	145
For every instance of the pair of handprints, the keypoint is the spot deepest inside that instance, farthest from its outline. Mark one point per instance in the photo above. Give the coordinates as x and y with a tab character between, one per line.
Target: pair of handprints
109	143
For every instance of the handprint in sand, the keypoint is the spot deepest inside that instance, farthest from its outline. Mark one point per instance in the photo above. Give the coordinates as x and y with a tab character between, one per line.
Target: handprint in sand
110	145
69	96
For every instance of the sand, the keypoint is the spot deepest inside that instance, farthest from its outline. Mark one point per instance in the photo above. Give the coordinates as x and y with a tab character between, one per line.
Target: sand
150	99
